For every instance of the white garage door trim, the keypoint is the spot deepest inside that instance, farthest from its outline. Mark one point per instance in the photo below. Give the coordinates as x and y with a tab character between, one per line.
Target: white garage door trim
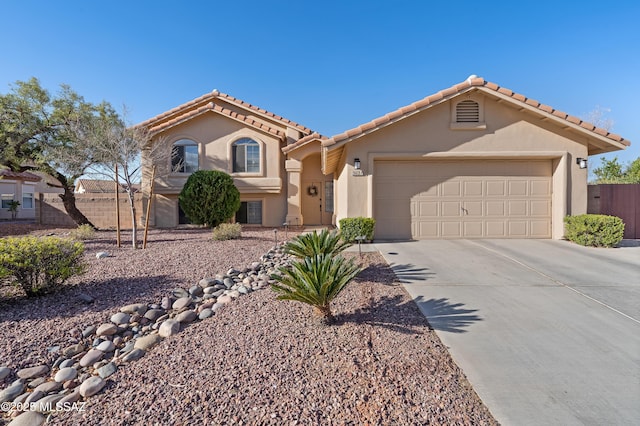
463	199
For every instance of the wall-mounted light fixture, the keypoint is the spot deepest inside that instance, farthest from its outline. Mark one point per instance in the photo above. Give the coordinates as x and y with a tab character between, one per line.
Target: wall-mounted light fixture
581	162
356	163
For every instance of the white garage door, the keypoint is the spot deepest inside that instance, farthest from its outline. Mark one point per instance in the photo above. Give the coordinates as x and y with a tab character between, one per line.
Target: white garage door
462	199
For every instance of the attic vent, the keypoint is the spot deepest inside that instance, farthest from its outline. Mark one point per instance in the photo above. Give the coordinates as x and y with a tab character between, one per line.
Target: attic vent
468	111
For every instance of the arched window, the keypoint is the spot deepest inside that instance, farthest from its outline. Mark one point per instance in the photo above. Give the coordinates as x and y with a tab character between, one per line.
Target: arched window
184	156
468	111
246	156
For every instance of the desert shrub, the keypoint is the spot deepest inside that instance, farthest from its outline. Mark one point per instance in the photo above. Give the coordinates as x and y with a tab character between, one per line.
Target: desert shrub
594	230
227	231
209	198
39	265
316	281
312	243
352	227
83	232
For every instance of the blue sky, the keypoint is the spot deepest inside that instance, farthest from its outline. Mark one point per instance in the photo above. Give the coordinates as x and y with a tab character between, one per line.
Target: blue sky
329	65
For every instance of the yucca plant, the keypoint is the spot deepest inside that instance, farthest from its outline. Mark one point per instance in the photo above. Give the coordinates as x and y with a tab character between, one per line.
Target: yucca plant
315	280
312	243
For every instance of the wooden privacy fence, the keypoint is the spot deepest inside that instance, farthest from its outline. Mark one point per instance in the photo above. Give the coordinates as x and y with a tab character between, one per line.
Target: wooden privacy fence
621	200
100	209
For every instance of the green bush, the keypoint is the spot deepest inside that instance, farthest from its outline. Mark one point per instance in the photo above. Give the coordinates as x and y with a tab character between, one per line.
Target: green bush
83	232
594	230
39	265
312	243
209	198
316	281
352	227
227	231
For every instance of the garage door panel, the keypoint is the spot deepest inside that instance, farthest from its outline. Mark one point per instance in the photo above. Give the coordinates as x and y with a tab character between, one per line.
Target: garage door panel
450	189
495	229
518	207
495	189
473	209
518	188
540	208
472	188
464	199
451	229
518	229
451	208
541	188
495	208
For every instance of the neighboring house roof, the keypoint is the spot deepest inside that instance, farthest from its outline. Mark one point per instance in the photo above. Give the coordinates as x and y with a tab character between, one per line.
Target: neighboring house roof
9	174
207	103
608	141
100	186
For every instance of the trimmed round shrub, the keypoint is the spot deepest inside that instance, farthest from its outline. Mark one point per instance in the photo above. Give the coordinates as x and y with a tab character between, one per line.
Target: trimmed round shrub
354	227
594	230
40	265
209	198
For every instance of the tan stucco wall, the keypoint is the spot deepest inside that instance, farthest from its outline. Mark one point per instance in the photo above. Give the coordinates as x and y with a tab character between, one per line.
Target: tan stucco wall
508	134
215	136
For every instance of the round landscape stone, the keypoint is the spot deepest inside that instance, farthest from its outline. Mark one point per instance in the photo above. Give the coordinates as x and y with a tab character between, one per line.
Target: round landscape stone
33	372
182	302
169	328
64	374
4	372
106	346
107	329
186	316
120	318
28	418
90	357
92	386
134	308
147	342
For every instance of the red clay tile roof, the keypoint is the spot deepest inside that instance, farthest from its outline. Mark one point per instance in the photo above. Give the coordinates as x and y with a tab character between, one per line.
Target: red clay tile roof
8	174
472	82
221	110
303	141
155	124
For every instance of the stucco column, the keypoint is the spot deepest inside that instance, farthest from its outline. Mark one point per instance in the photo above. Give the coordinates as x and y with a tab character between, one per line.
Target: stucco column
294	173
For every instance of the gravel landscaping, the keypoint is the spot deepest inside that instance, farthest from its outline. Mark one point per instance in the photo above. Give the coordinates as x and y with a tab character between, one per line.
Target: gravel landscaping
256	360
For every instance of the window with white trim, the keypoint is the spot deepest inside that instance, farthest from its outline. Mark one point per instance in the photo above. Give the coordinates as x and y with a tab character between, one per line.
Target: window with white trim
184	156
6	200
27	200
246	156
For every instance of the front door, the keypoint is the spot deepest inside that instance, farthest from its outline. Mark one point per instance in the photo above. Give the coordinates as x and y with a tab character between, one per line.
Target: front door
317	202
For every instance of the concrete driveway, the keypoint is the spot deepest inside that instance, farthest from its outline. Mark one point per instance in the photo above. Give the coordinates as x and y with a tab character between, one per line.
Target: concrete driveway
547	332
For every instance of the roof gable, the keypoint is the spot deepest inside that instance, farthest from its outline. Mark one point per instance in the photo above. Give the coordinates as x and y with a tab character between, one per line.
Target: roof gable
25	176
492	89
227	106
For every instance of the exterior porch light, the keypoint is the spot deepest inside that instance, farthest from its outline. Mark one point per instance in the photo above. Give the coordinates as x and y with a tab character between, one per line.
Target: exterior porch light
356	163
581	162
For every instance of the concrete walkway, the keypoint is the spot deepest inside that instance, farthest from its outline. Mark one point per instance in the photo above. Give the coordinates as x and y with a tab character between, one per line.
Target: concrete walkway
547	332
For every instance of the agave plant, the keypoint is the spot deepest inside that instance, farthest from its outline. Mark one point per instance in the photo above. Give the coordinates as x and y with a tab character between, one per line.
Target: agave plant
312	243
315	280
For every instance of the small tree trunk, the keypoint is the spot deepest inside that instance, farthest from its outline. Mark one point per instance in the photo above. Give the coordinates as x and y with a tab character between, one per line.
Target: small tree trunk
69	203
134	227
69	199
324	314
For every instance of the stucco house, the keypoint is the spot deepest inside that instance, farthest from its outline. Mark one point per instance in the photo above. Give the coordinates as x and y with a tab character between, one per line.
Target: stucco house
21	187
475	160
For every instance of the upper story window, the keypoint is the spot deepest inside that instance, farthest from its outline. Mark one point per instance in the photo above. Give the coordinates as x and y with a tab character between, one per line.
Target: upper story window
184	156
246	156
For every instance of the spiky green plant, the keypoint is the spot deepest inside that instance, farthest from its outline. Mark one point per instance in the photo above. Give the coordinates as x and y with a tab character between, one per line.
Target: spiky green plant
316	281
312	243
